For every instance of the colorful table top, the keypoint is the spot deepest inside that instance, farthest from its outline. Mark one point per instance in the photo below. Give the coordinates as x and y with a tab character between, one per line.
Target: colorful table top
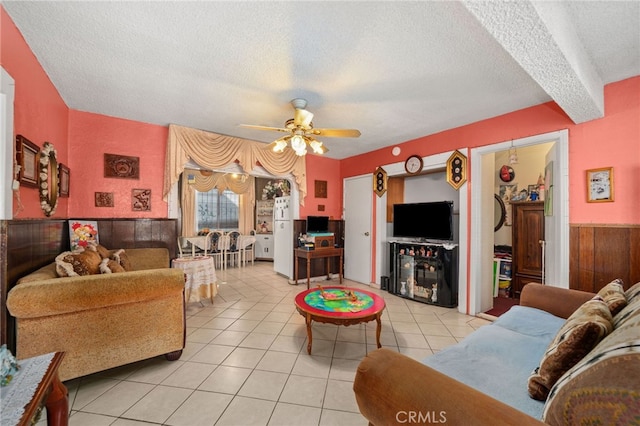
339	302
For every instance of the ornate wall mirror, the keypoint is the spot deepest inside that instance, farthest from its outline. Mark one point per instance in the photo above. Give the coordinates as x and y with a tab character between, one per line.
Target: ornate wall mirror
500	212
48	186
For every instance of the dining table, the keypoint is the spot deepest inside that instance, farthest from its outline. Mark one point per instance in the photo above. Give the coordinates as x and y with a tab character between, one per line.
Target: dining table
197	241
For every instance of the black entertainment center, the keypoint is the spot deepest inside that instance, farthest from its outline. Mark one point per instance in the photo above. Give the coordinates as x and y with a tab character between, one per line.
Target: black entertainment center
424	263
425	272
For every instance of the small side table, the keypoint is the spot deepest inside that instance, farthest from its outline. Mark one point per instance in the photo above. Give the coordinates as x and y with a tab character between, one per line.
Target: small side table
199	271
36	383
324	253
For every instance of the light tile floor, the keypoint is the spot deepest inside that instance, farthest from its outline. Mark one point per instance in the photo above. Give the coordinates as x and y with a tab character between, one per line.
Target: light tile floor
245	362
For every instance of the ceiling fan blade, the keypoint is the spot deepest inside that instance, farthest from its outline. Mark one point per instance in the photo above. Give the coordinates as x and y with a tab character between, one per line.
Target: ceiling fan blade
335	133
302	118
275	129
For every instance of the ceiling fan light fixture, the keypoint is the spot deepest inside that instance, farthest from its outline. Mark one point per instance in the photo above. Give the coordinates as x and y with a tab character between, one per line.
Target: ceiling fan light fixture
279	145
317	147
301	132
299	145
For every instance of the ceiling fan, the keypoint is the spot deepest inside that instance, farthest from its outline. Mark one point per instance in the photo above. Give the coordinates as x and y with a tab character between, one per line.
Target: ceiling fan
301	132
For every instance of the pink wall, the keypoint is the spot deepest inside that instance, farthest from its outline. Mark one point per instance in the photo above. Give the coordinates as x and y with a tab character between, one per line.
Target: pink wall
40	113
613	141
81	139
327	169
93	135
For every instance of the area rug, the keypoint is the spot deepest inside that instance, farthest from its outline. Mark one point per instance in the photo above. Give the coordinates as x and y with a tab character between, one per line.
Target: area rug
501	305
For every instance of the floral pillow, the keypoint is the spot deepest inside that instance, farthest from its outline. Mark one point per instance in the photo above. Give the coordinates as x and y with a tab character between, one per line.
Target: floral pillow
582	331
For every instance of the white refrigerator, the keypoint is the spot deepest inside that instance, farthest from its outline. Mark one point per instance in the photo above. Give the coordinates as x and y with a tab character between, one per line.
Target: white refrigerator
283	236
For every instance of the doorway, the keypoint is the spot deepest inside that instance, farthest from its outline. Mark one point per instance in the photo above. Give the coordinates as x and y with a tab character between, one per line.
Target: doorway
7	91
358	238
556	224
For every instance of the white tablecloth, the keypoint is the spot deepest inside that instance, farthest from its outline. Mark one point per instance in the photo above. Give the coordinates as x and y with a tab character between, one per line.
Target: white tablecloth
15	396
200	275
200	241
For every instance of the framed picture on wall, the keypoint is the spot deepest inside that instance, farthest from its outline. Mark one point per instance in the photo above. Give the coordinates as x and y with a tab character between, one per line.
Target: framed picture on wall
82	233
600	185
27	158
63	178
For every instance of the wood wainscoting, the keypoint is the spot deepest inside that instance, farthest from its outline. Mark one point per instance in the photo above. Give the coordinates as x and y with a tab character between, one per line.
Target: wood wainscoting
601	253
27	245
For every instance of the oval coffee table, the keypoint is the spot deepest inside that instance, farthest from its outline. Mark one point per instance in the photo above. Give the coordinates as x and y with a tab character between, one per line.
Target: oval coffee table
338	306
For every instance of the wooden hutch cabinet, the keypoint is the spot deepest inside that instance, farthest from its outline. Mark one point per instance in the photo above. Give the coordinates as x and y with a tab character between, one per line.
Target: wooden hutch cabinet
318	265
528	234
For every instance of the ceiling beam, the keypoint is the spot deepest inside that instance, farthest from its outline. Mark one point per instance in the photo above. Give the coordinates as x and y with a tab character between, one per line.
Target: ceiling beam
542	39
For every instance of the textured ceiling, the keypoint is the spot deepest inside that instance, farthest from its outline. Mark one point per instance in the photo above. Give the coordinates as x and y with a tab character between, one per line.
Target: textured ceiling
394	70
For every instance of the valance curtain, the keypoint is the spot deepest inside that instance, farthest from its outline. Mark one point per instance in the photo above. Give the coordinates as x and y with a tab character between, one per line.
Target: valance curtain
204	181
214	151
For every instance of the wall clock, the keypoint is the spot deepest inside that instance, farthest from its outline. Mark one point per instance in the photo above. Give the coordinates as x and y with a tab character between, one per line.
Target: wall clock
413	164
457	169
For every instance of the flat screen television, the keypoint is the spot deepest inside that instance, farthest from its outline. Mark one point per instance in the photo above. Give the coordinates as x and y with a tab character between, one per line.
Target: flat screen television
317	224
430	221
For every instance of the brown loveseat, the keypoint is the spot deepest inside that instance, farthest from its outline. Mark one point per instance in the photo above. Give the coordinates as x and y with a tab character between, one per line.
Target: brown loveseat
602	388
105	320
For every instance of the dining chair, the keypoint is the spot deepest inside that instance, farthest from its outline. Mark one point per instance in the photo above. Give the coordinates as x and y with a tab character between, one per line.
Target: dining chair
187	248
215	251
233	252
249	250
181	246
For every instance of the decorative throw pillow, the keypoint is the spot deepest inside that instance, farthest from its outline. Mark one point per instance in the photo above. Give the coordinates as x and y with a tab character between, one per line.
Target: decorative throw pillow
613	296
121	257
110	266
583	330
633	292
103	251
69	264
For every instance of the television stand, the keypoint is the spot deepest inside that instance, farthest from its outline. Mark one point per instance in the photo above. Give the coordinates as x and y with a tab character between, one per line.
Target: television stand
425	272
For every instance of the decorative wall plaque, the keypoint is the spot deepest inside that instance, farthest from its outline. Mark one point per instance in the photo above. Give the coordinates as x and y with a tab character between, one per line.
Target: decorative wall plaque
121	166
104	199
321	188
141	200
457	169
380	181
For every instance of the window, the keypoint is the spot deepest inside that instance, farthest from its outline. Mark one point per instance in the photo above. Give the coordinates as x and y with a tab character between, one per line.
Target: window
217	210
